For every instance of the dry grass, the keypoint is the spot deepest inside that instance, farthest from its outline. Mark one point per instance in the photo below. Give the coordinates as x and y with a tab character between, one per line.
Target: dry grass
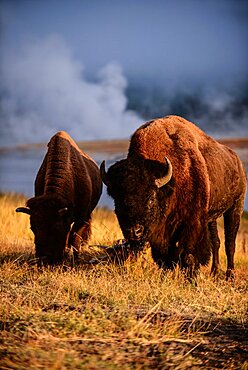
115	317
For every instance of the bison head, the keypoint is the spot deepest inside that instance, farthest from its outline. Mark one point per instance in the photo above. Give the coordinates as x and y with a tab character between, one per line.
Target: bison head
140	195
50	221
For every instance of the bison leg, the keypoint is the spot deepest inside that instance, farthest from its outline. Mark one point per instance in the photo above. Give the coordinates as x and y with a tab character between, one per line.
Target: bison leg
168	259
159	257
190	265
212	227
231	226
80	234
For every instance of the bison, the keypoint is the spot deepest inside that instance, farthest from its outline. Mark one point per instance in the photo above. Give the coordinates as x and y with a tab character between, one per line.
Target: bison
67	189
174	184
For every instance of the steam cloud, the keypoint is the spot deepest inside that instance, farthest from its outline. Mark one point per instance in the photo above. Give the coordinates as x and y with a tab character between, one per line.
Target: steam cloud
221	111
44	90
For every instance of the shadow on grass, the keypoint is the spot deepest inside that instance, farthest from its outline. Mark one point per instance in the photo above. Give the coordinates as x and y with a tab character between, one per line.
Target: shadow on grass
18	258
216	344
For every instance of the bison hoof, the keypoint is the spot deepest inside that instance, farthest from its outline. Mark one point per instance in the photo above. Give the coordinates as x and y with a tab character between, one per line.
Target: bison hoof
229	274
214	271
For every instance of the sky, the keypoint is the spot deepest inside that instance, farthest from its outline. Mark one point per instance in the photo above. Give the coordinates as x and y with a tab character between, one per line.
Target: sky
67	64
152	38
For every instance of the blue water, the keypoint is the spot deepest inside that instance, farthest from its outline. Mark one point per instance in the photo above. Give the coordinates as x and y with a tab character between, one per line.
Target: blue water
18	169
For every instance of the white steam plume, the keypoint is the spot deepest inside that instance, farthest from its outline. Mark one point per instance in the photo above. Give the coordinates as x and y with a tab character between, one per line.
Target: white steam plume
44	90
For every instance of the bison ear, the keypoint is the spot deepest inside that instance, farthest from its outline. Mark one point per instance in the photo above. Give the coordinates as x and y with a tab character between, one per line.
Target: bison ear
24	210
165	179
63	211
103	174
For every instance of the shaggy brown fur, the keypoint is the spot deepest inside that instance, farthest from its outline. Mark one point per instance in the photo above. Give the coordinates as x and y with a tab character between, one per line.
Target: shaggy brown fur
67	189
179	219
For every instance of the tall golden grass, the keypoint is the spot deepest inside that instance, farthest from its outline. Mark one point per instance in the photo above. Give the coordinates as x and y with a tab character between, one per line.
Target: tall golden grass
110	316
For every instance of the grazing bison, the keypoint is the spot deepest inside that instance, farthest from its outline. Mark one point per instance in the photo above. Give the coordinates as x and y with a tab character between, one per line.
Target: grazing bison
67	189
174	184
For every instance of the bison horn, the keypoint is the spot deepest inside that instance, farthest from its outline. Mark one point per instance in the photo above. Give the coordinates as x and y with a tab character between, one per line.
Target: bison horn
62	211
103	174
23	210
164	180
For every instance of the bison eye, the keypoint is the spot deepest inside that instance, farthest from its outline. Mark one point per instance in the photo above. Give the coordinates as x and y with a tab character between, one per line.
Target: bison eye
150	199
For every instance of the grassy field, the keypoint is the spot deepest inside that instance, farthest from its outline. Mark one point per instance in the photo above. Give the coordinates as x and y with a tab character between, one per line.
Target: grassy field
108	316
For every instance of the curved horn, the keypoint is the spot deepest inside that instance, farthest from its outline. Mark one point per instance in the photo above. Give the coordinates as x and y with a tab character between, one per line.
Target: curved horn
24	210
103	174
62	211
164	180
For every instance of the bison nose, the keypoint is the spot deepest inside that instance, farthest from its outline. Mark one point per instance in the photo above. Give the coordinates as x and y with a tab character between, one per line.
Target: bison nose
136	231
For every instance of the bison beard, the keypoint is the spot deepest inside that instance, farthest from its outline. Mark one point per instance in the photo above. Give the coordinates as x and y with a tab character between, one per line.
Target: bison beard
174	184
67	189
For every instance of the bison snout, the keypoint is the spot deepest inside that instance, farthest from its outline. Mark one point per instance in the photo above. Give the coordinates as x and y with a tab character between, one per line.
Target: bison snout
136	232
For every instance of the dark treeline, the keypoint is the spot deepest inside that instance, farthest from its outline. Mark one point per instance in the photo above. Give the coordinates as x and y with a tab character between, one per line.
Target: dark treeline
217	111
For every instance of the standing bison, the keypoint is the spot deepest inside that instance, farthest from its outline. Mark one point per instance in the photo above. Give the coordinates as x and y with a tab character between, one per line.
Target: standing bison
67	189
174	184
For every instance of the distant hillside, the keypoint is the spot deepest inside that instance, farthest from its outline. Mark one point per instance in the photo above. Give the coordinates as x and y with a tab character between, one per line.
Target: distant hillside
120	146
